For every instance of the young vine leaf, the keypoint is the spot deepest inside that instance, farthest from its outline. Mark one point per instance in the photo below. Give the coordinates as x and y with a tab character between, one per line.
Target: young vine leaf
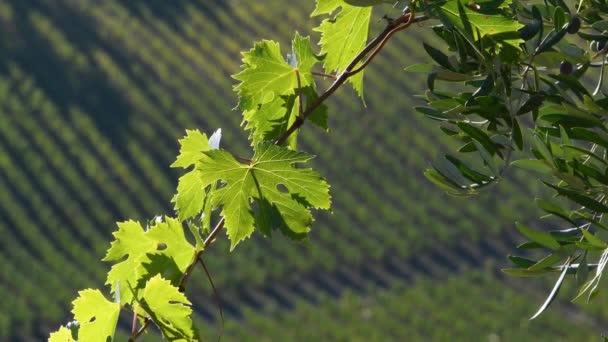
192	146
343	36
271	88
97	318
162	249
279	115
62	335
191	195
283	193
168	308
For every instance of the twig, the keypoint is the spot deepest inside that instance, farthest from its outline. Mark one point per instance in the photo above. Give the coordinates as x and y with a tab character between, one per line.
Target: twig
207	242
134	323
141	330
404	18
216	295
381	45
245	160
322	74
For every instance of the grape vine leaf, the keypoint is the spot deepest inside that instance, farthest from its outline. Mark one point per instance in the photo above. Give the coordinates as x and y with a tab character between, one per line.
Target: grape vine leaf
161	249
97	316
191	195
271	88
62	335
487	19
343	36
266	74
281	190
169	309
274	118
192	146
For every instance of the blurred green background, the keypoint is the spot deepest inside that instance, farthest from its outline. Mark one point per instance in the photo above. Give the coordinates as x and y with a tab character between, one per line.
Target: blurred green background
95	94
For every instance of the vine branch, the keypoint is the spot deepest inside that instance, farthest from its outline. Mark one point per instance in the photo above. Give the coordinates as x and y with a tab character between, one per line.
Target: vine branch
364	57
373	47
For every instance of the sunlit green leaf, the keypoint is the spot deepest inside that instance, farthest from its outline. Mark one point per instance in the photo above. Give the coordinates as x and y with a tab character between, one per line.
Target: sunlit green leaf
169	309
343	37
272	178
140	253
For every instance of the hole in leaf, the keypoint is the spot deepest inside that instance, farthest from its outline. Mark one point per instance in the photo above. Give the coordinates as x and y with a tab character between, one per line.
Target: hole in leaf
161	246
92	319
282	188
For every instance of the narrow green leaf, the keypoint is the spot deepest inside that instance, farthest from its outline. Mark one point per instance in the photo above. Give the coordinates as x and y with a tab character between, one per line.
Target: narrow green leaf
517	135
594	240
466	171
542	147
584	134
524	272
534	165
450	171
547	261
551	39
487	20
479	135
589	247
544	239
584	152
581	199
554	292
438	56
487	157
554	209
521	261
438	179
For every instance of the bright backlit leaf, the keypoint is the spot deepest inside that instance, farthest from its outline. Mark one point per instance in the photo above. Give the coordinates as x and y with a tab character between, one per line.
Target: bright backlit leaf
169	309
267	75
343	36
191	195
274	118
271	88
62	335
97	316
192	146
279	189
161	249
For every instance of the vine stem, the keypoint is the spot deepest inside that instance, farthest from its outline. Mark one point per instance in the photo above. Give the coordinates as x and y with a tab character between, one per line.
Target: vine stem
371	50
141	330
321	74
206	243
373	47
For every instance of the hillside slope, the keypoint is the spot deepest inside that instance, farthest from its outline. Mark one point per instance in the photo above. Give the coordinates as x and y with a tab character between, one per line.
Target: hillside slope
93	97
